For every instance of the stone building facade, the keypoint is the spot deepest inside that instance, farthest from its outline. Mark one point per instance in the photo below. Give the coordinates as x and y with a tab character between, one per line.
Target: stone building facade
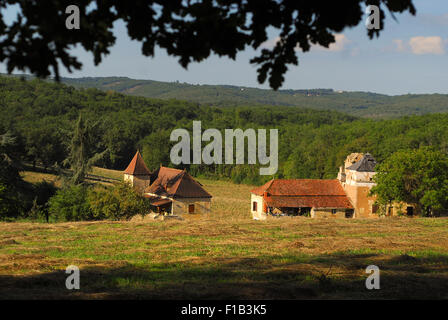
347	196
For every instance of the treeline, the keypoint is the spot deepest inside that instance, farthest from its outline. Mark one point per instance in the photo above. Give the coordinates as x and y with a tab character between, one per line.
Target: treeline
312	144
361	104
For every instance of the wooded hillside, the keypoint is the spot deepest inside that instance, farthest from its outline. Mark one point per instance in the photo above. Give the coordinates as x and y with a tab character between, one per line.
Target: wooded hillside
362	104
312	144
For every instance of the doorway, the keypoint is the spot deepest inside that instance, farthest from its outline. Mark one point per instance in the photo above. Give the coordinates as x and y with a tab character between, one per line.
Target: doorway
349	213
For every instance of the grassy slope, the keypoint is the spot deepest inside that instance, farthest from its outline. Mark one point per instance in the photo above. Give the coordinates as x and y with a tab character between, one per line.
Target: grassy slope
226	255
33	177
362	104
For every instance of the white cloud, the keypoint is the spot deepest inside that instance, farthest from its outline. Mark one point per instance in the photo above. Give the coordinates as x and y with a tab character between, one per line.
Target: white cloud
420	45
270	43
341	42
427	45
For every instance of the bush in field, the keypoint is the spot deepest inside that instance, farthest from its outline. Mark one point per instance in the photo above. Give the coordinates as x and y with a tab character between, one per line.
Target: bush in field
70	204
117	203
81	202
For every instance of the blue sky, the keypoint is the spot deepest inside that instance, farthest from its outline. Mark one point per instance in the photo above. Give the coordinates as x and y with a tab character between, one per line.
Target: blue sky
410	56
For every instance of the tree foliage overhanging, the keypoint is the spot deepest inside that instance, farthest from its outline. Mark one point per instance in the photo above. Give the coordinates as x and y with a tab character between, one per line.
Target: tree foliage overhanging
38	40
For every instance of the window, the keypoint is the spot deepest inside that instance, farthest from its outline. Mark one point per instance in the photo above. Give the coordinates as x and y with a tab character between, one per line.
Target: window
374	208
191	208
333	211
254	206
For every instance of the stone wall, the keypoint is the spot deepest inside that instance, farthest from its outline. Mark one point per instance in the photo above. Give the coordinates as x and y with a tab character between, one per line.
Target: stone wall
138	182
181	205
327	213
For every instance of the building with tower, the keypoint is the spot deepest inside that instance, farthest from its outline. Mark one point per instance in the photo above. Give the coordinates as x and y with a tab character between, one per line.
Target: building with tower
347	196
137	173
169	190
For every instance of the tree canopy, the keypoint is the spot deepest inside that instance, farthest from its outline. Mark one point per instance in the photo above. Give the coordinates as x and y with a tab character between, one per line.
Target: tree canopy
39	41
126	123
418	177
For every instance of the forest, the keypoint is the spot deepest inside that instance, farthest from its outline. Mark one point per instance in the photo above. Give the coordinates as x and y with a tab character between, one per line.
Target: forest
360	104
41	117
312	144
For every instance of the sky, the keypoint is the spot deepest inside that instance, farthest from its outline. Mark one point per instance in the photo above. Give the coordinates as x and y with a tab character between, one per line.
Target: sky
410	56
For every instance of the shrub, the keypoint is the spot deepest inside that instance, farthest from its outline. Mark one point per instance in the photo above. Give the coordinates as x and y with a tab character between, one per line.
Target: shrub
70	204
117	203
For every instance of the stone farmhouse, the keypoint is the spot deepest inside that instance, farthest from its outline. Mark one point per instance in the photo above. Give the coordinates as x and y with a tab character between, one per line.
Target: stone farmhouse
169	190
347	196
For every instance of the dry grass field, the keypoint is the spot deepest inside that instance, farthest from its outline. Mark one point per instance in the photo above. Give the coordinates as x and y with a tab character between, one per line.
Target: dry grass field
226	255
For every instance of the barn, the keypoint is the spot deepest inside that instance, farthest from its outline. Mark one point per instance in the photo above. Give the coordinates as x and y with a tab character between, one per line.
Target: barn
306	197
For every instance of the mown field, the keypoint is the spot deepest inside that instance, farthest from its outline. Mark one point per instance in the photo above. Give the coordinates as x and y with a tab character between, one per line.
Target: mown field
226	255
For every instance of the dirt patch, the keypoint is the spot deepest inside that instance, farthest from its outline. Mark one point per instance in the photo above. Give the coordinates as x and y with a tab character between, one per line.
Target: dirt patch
132	89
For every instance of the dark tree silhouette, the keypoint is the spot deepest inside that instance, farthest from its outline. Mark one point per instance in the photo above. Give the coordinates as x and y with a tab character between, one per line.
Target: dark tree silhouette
83	146
38	40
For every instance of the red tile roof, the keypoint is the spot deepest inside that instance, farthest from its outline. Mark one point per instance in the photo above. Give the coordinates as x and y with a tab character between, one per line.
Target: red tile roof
157	201
304	193
301	187
176	183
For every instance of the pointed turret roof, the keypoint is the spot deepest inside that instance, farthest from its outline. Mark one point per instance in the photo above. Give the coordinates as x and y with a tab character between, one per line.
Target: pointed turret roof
137	167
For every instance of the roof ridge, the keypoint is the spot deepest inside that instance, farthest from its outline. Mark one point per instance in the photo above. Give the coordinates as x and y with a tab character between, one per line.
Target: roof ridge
176	183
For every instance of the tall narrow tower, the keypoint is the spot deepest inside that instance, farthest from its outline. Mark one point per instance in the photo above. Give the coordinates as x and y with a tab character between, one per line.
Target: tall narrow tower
137	173
357	179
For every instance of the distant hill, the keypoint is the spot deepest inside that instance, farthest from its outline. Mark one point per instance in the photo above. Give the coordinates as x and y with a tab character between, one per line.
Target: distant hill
360	104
